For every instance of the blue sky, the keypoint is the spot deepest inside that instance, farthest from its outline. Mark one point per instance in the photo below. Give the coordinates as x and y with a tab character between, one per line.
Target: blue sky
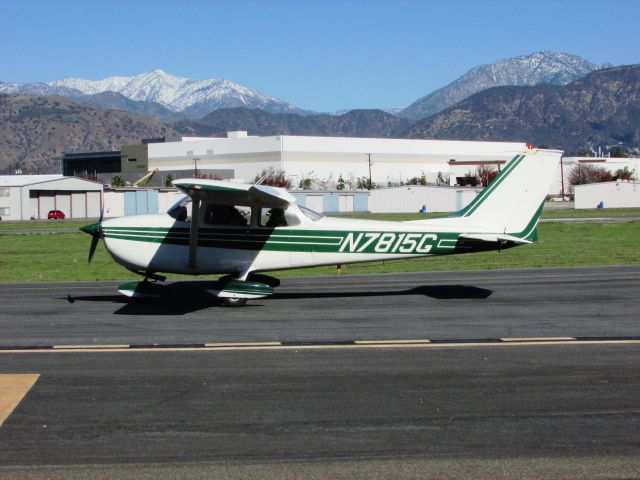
321	55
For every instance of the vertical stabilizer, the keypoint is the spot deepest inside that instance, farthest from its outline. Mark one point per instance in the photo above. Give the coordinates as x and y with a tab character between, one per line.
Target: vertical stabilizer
512	202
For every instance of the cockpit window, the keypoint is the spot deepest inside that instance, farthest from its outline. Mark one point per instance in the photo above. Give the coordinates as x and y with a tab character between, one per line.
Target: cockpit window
181	209
232	215
310	214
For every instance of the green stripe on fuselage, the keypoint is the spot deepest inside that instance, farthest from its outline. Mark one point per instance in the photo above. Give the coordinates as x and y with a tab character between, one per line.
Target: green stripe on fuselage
285	240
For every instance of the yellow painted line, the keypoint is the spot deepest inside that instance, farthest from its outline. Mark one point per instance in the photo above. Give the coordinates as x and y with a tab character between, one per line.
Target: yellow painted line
390	342
89	347
13	388
248	344
278	346
537	339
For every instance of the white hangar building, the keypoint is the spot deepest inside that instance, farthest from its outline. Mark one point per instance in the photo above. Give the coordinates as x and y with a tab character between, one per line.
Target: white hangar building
242	157
26	196
617	194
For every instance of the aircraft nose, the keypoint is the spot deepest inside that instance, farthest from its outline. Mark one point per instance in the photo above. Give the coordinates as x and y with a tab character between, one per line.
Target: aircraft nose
91	229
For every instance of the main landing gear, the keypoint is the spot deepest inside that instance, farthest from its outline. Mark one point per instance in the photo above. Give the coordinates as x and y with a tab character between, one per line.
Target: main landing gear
235	292
232	292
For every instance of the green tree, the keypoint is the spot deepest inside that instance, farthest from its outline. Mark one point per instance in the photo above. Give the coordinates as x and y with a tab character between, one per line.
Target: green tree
618	152
440	180
168	182
624	174
306	183
363	183
117	181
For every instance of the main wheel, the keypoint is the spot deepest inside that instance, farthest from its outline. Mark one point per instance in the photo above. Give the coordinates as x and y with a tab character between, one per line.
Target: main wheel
234	302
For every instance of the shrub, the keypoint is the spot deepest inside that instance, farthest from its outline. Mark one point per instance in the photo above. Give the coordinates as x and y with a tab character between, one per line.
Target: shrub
624	174
583	174
274	178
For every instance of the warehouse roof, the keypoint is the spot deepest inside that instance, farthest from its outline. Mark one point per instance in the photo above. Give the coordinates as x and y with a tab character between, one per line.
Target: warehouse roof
23	180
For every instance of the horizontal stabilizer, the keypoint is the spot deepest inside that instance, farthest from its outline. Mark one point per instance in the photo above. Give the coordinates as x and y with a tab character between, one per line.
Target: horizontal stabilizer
494	238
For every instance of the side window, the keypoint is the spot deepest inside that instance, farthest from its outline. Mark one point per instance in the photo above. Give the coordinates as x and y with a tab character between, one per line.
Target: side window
231	215
277	217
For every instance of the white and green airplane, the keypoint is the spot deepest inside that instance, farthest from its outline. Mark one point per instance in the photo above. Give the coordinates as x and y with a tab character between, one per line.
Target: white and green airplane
240	230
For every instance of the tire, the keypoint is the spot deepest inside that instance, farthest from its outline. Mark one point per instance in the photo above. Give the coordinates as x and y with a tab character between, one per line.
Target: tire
234	302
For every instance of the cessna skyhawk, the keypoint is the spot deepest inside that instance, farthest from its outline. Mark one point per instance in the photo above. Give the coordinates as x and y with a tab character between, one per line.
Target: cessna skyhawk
240	230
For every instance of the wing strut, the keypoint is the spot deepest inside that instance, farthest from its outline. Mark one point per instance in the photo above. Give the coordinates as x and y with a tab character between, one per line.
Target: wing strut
193	238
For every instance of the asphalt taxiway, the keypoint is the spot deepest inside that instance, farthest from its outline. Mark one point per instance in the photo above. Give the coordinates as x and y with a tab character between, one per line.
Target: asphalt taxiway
530	373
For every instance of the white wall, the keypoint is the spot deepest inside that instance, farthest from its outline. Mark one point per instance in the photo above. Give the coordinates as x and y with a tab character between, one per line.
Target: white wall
114	201
314	202
167	198
94	203
410	198
11	200
393	160
63	202
78	205
246	156
113	204
612	194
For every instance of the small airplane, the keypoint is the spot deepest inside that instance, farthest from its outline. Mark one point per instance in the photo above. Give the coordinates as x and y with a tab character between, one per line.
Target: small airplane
240	230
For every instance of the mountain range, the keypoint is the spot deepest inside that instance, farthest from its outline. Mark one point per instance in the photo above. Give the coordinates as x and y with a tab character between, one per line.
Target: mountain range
39	121
169	97
35	130
541	68
192	98
602	108
354	123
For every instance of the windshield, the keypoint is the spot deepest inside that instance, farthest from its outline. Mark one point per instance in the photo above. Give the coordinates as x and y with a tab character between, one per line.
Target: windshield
310	214
181	209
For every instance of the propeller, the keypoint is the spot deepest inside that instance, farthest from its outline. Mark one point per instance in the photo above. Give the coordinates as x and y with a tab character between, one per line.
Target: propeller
95	230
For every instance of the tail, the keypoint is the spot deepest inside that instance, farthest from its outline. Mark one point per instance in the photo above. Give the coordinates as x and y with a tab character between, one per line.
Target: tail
510	206
512	202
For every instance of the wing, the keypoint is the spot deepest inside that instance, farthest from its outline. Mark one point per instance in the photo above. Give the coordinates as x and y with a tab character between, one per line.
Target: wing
235	193
229	193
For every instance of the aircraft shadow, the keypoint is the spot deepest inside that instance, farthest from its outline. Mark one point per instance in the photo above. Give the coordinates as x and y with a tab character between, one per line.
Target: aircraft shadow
180	298
439	292
185	297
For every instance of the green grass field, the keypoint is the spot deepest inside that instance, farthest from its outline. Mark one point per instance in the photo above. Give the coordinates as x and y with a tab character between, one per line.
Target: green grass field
44	224
63	256
547	213
398	217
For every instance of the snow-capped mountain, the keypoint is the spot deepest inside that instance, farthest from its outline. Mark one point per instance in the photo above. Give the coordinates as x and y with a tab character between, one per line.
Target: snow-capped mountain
527	70
179	94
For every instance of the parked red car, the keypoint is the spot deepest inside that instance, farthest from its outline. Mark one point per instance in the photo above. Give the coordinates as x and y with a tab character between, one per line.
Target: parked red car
56	214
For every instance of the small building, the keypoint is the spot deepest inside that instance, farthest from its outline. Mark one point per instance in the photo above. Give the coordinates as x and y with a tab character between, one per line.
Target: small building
120	202
32	196
411	198
611	164
619	194
97	164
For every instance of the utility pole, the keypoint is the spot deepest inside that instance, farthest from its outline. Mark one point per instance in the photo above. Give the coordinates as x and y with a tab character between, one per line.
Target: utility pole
562	176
